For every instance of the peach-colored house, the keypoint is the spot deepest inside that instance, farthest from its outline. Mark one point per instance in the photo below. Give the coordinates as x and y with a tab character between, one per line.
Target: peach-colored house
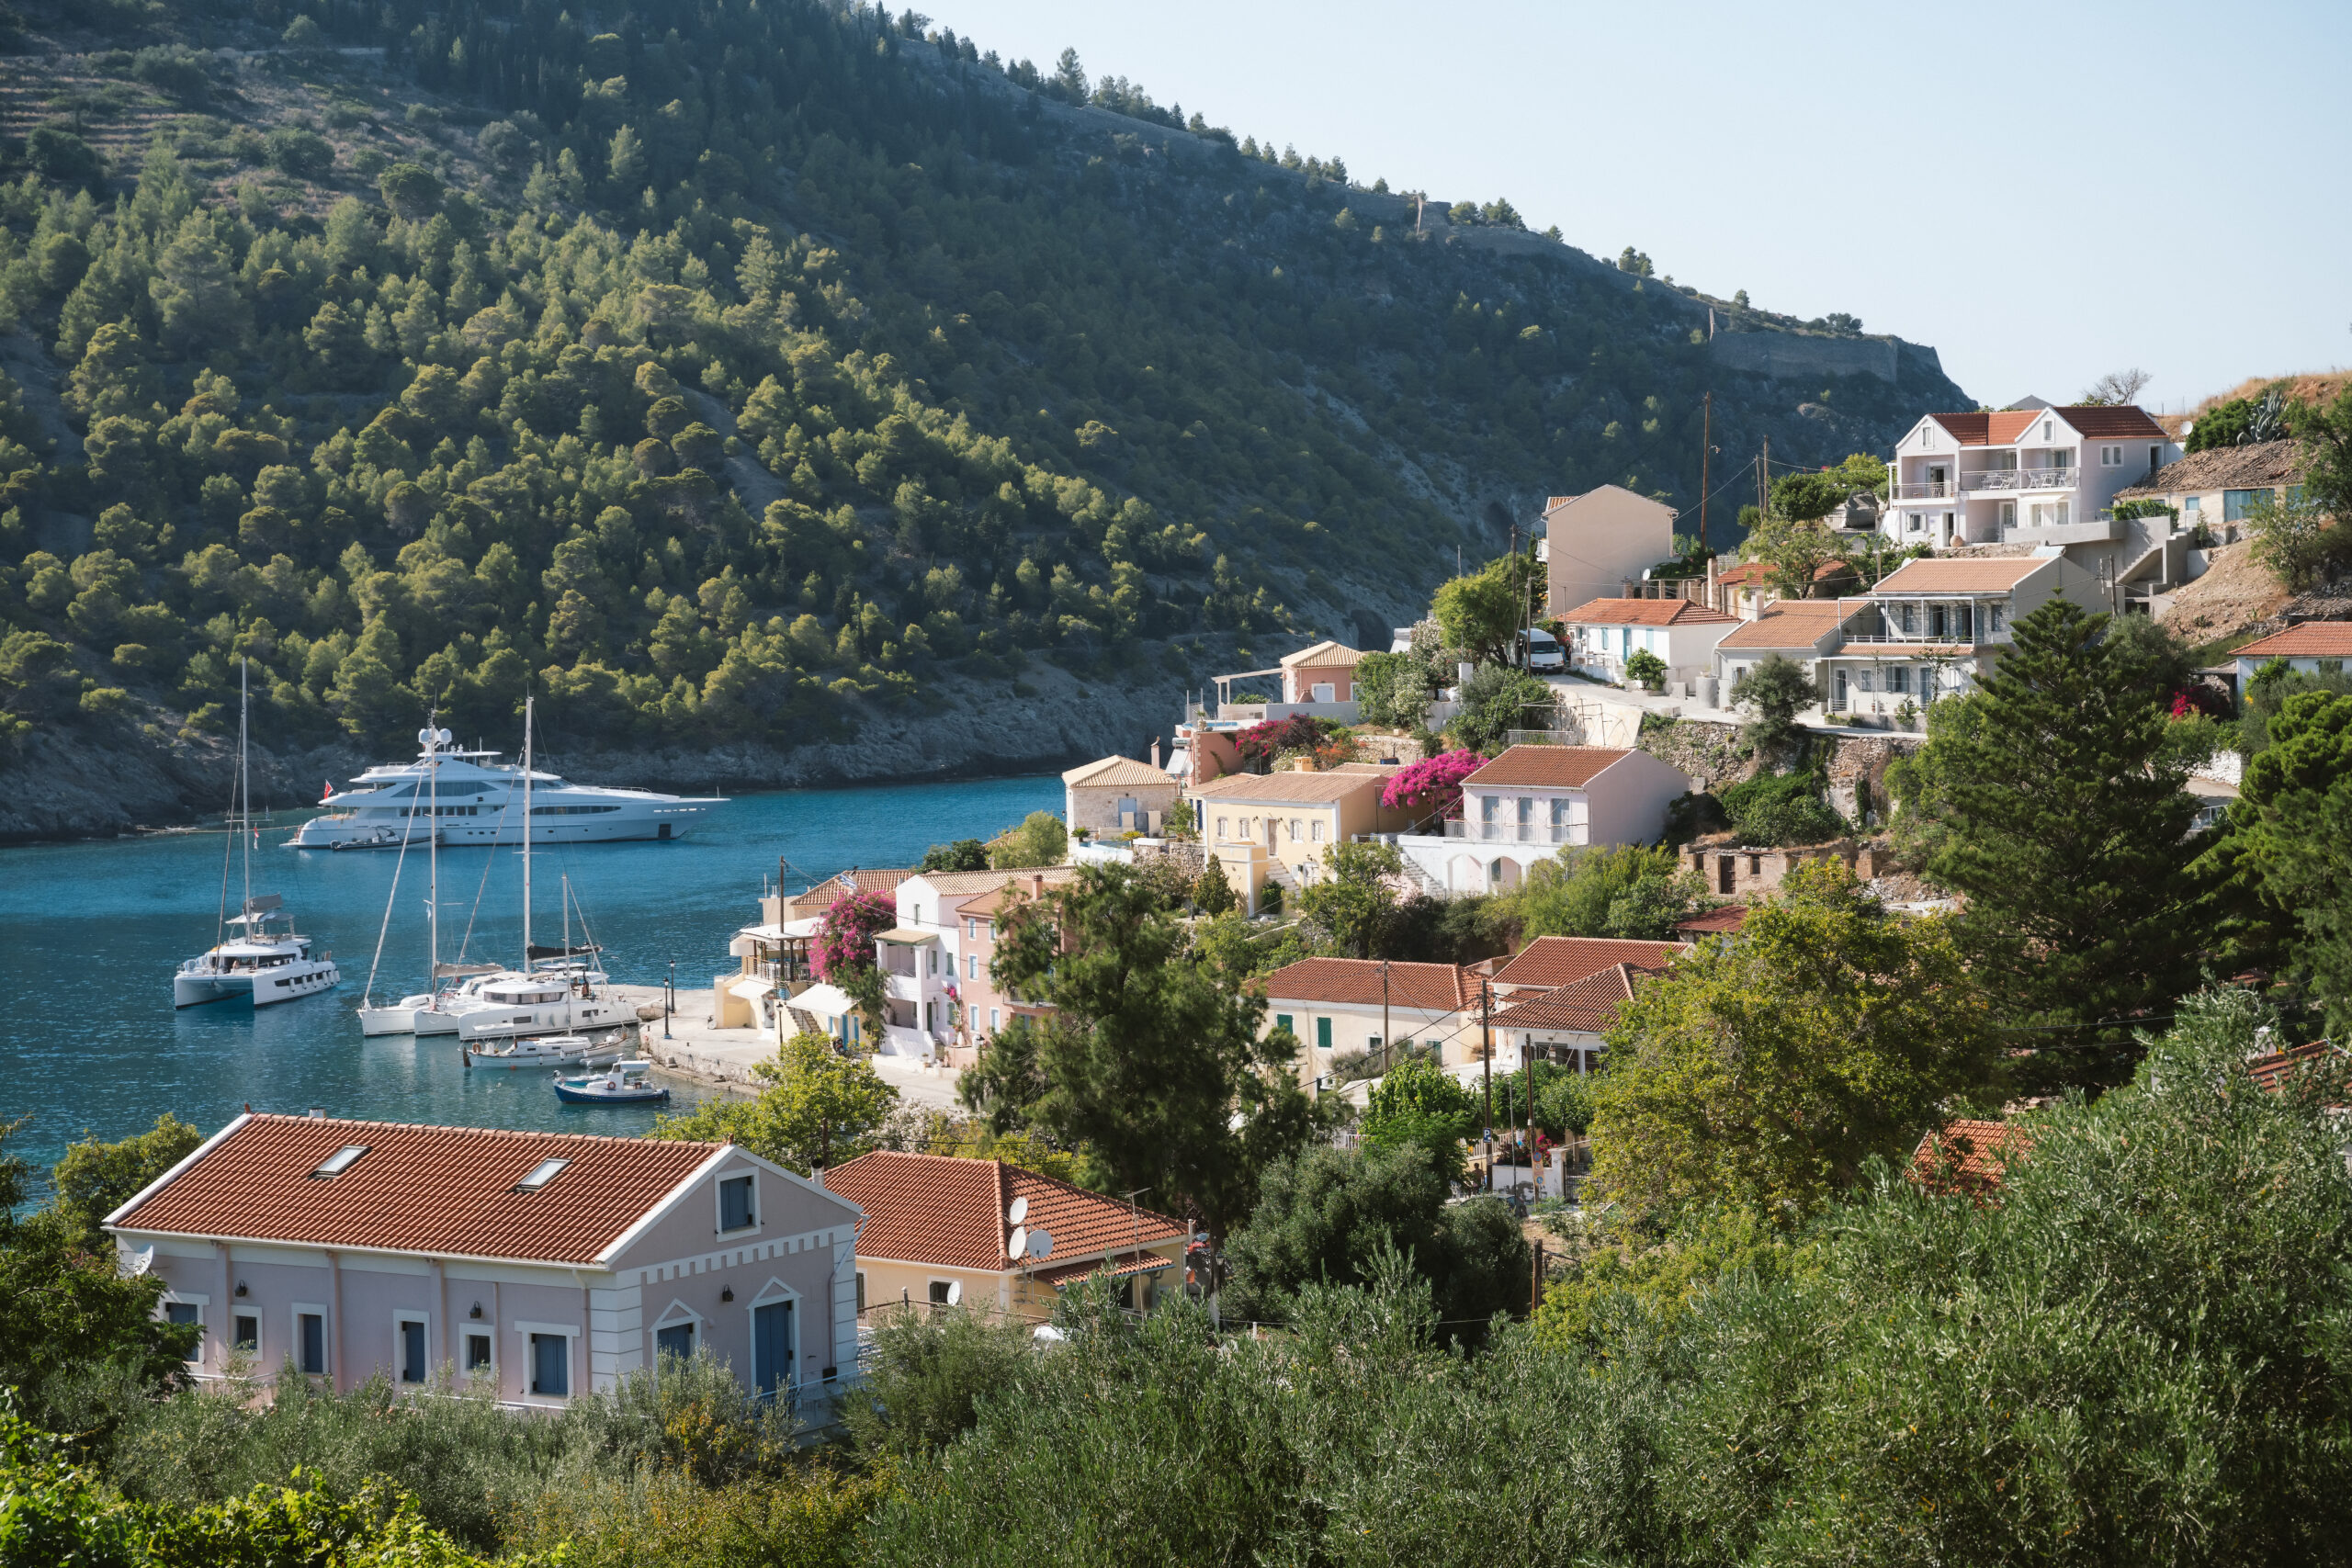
538	1265
1320	673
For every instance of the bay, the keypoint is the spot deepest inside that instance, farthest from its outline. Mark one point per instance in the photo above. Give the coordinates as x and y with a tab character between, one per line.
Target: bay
91	932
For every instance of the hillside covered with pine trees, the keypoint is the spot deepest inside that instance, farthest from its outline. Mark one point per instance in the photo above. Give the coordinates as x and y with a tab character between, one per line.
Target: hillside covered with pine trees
782	391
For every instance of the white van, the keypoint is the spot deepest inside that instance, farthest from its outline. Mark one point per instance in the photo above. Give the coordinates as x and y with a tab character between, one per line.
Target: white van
1544	649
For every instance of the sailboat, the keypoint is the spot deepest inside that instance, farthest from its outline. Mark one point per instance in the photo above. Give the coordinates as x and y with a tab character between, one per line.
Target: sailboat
256	954
557	991
427	1012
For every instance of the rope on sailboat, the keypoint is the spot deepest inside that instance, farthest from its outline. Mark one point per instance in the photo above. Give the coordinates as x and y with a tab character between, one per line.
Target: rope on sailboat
483	885
408	831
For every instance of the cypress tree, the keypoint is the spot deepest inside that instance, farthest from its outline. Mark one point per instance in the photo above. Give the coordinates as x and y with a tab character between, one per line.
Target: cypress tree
2061	820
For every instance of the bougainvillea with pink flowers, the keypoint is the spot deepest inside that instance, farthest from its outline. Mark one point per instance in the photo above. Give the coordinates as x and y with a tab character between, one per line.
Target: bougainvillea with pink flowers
846	934
1432	785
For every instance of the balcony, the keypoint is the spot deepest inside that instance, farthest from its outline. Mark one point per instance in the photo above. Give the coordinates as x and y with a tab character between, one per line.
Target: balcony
1931	489
2087	531
1512	832
2014	480
901	987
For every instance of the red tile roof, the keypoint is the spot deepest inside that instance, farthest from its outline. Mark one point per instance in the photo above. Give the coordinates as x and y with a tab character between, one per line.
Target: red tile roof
2271	1072
1756	571
2109	420
1325	788
821	896
1969	1157
446	1190
1978	574
1646	613
1559	767
1550	961
1431	988
2311	639
2009	426
1721	920
1584	1006
1788	623
949	1212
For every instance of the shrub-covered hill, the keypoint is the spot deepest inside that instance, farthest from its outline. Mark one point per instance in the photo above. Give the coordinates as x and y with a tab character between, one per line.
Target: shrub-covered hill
743	375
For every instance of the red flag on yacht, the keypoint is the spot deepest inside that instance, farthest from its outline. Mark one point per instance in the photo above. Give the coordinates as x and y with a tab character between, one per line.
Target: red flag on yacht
326	790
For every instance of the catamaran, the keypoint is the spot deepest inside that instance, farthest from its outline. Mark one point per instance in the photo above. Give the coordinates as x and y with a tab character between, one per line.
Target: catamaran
475	802
251	957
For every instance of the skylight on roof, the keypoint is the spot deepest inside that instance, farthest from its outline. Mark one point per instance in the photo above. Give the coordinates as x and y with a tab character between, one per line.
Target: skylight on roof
546	1170
342	1159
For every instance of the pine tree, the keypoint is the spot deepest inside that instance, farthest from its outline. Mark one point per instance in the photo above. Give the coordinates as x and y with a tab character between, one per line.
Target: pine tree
2062	819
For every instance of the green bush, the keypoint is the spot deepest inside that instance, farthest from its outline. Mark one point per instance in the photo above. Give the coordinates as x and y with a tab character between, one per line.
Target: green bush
1781	808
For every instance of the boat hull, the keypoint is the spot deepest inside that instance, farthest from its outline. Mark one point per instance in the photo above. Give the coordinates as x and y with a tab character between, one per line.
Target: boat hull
571	1096
523	1019
326	833
542	1054
406	1017
262	987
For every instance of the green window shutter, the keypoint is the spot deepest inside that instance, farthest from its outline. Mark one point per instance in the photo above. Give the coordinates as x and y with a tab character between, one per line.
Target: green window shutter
1323	1034
1282	1021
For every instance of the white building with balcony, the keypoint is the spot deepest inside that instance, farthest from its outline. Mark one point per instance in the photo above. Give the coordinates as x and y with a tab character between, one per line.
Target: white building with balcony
2035	475
1931	629
934	960
1532	802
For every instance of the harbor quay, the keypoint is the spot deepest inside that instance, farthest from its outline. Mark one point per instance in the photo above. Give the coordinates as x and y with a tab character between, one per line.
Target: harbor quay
699	1052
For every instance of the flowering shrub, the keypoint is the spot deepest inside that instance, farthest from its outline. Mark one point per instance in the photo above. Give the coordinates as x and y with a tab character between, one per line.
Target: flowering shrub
1431	785
2199	699
1262	742
845	936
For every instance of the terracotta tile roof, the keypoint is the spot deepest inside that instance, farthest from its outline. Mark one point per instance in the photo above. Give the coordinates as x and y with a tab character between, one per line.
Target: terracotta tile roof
1551	960
1431	988
1560	767
995	898
950	1213
1119	771
2311	639
1585	1006
1788	623
1290	788
1721	920
449	1190
1117	1265
2107	421
965	883
1753	573
1969	1157
2263	464
820	897
2271	1072
1646	613
1979	574
1325	655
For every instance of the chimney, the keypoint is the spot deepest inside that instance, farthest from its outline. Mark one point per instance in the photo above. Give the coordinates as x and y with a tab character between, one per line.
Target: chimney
1154	751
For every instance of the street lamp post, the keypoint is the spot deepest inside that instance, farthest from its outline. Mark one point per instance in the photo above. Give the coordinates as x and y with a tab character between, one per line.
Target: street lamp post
669	999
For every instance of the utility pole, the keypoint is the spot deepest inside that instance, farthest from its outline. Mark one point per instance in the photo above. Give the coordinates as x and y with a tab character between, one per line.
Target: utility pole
1486	1056
1706	444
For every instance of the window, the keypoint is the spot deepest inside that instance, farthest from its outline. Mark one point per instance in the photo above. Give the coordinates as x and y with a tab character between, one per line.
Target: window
410	1334
477	1352
1898	678
1315	830
310	1335
1322	1034
551	1365
1926	438
1220	828
2110	457
546	1170
2061	512
342	1159
2192	503
993	1017
2046	428
1282	1021
971	927
2236	504
939	1289
1993	616
972	966
248	1338
1917	521
187	1313
2008	515
861	1290
675	1339
735	1203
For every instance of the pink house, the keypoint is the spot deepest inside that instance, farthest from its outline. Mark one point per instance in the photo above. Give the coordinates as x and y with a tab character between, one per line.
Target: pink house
542	1264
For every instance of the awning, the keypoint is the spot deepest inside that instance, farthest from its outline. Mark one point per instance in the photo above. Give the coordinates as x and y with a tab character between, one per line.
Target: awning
1117	1268
749	986
906	936
805	927
825	1001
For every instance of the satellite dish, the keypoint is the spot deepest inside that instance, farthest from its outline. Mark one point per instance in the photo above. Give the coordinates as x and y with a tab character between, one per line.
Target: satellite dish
1041	1243
1018	1213
1019	1246
955	1291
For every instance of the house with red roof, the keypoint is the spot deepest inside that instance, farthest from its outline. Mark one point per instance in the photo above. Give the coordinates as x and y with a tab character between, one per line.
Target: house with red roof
1566	1025
2309	647
993	1236
1681	632
2033	475
536	1266
1534	802
1340	1007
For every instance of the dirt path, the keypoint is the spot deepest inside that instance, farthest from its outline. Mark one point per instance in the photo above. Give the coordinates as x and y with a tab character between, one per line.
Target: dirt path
2234	594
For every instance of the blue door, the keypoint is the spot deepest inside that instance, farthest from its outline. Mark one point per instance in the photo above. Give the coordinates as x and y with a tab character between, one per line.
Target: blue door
677	1340
772	1346
411	1351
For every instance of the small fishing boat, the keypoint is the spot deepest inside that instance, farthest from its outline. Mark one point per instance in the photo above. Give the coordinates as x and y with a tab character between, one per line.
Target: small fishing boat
624	1083
550	1051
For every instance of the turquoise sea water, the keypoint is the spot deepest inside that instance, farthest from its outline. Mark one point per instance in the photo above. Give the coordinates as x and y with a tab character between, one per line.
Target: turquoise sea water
91	932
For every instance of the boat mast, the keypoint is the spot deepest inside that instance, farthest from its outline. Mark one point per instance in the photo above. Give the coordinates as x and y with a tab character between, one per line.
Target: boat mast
527	832
432	852
244	781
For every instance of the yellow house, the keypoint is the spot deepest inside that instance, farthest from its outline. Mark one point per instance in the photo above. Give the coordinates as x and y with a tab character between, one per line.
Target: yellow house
1277	827
942	1230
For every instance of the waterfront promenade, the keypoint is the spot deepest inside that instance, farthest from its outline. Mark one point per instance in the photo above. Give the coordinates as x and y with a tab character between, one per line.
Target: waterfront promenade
700	1053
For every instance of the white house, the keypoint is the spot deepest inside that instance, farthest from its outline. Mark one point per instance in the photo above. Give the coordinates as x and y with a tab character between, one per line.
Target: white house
1534	801
1681	633
1337	1005
935	958
1931	626
1595	543
2313	647
538	1266
1566	1023
1804	631
2040	476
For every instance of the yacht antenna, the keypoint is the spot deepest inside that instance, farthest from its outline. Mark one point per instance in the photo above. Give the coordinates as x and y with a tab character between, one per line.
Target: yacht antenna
527	699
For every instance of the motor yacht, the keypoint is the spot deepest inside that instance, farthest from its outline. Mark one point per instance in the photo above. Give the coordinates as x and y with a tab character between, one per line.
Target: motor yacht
469	799
556	995
624	1083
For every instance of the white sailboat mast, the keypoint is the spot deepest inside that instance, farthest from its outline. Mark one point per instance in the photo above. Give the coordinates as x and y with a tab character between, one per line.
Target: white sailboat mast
433	857
245	780
526	833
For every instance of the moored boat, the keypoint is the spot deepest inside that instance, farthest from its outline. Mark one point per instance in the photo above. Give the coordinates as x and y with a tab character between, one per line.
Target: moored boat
624	1083
550	1051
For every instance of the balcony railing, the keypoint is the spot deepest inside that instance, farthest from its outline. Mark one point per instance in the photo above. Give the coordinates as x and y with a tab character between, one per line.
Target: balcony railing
1512	832
1932	489
2021	479
901	987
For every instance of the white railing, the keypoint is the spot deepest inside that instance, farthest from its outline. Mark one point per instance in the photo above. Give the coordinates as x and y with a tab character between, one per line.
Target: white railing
2021	479
902	987
1511	832
1932	489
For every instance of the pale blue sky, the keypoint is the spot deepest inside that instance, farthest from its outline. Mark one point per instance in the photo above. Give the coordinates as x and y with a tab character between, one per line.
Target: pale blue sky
2043	192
